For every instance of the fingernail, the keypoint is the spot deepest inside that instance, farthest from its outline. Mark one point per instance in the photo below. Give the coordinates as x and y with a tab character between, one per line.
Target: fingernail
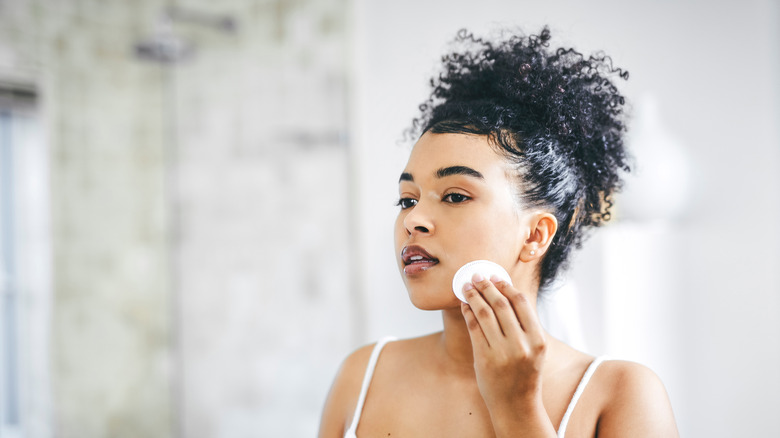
495	279
477	278
467	287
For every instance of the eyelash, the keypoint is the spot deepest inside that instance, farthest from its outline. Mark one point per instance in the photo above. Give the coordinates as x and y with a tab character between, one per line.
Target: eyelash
406	203
462	197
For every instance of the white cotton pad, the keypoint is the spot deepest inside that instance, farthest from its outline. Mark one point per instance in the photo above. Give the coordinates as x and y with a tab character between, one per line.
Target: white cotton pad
484	267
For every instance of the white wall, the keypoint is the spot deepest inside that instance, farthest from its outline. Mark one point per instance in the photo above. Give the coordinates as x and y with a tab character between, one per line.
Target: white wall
711	67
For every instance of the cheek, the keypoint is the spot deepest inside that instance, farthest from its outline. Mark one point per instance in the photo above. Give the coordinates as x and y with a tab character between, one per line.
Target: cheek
491	235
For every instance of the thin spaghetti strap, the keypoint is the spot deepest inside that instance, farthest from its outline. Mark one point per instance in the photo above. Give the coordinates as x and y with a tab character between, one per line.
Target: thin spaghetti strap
366	383
577	393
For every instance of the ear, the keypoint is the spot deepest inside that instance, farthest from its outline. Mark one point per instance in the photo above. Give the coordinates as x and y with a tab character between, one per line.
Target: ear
542	230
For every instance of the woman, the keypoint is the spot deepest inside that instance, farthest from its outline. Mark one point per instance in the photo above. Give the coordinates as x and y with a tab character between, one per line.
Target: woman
520	152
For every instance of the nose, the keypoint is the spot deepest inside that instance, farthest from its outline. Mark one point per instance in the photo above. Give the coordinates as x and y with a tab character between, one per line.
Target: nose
418	220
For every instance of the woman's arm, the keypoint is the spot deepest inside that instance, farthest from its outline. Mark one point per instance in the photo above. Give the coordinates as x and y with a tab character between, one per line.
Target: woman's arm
509	350
343	395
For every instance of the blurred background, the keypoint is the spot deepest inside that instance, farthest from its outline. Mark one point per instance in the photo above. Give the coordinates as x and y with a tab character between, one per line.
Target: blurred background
197	198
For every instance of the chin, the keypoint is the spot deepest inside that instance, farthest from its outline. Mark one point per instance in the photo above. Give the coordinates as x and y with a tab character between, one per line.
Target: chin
432	290
435	301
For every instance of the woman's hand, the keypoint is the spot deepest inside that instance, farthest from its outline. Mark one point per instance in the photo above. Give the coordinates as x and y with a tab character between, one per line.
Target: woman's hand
509	351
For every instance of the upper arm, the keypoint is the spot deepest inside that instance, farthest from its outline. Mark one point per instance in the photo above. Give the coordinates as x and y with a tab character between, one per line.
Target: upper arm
343	394
638	404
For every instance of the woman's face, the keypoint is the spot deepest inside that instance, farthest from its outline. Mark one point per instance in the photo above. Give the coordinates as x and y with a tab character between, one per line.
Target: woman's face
458	203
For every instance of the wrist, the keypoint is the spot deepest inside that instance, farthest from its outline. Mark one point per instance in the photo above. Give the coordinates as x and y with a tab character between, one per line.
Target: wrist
523	417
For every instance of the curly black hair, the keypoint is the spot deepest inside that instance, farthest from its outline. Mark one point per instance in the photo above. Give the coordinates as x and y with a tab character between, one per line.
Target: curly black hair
556	114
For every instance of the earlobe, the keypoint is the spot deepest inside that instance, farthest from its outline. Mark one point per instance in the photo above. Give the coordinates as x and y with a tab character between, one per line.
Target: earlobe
543	228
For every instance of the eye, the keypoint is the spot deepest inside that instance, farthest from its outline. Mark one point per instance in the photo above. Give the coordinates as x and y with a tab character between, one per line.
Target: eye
455	198
405	203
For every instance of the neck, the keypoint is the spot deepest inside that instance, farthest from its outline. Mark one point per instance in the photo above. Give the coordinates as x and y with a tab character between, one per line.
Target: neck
455	340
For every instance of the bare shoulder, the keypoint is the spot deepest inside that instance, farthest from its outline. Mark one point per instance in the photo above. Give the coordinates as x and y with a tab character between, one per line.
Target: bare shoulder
635	402
354	366
344	393
345	390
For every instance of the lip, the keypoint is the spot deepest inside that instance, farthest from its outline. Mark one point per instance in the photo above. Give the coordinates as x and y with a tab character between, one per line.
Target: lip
416	259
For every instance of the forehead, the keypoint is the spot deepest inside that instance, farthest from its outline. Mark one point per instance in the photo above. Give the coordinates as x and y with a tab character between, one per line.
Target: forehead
436	151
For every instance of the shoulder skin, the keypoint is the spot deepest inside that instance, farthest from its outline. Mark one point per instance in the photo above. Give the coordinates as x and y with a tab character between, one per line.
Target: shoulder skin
637	404
342	397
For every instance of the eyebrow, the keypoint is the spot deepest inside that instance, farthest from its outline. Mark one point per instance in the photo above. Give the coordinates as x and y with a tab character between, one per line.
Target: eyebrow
406	177
458	170
445	172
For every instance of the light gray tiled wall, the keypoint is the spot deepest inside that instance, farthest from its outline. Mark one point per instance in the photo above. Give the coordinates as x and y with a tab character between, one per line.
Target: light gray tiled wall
200	213
263	213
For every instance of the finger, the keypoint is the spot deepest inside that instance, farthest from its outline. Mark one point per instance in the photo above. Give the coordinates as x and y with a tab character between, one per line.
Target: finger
482	310
478	340
502	308
524	310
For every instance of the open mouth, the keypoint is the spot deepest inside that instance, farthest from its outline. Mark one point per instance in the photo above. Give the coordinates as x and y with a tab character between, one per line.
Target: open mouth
416	259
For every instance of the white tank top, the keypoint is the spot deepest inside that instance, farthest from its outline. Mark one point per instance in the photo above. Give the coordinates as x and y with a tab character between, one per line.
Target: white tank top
350	433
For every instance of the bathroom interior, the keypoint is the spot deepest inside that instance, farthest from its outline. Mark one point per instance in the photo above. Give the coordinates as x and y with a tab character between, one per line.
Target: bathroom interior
197	201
